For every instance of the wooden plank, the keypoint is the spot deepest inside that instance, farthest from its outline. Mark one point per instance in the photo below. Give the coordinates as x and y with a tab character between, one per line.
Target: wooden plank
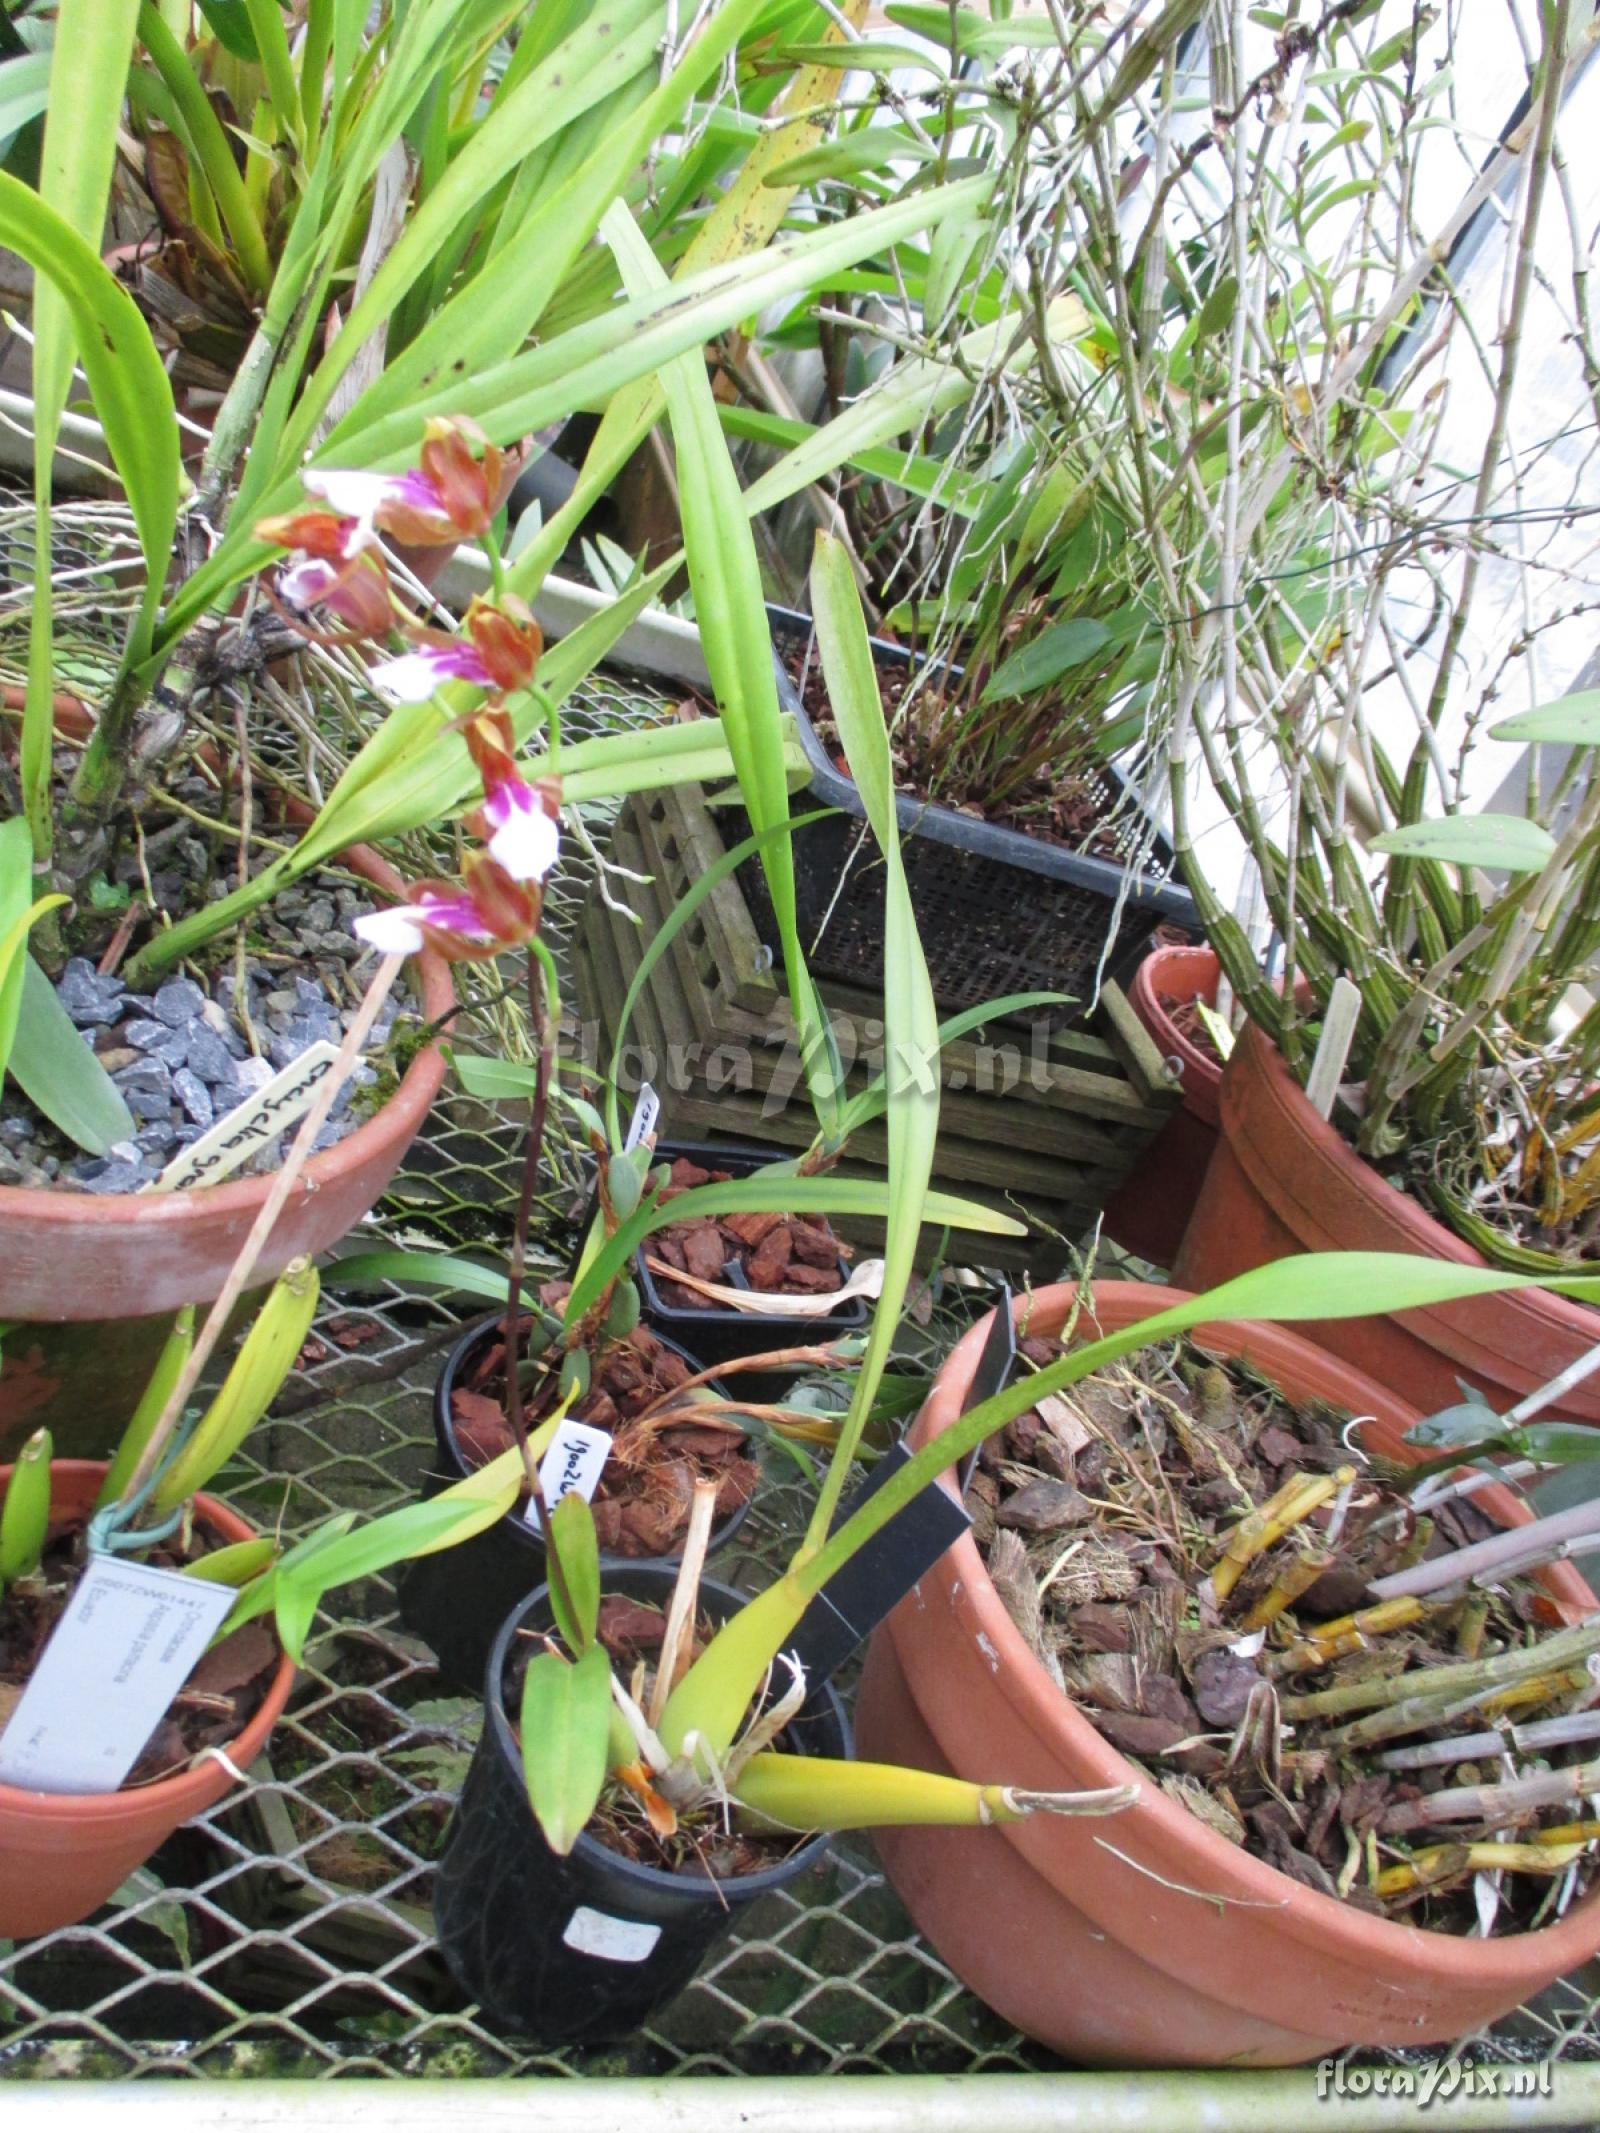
1136	1049
683	843
1104	1091
992	1115
772	1090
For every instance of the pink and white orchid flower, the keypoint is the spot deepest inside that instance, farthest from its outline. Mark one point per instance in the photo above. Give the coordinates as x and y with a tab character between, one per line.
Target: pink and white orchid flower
451	496
414	676
521	821
522	836
405	928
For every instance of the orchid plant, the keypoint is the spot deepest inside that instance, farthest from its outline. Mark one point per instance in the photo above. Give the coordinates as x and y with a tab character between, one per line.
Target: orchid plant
337	574
170	1451
703	1742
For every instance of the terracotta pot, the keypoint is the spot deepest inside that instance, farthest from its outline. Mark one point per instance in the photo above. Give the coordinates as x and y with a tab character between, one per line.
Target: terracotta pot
76	1260
63	1854
1284	1180
1146	1938
1148	1213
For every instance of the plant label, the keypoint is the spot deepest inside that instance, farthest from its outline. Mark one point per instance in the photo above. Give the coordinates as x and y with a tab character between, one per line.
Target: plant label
646	1110
856	1599
128	1641
613	1940
573	1463
264	1114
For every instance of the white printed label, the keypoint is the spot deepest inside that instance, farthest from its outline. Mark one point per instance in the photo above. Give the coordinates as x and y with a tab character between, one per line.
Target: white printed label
573	1463
646	1110
614	1940
264	1114
128	1641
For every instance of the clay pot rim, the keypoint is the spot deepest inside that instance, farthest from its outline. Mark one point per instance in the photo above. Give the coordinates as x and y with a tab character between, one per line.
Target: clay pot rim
403	1112
1224	1872
161	1797
1155	989
1423	1232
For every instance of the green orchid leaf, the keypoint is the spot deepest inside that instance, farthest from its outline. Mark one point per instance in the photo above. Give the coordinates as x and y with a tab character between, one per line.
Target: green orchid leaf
60	1075
436	1270
1045	658
577	1549
1574	719
566	1733
1510	843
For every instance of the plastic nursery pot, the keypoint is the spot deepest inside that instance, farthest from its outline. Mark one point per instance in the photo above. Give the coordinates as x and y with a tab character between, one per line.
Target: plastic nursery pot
1148	1214
719	1333
1149	1939
998	911
63	1854
586	1947
1284	1180
456	1600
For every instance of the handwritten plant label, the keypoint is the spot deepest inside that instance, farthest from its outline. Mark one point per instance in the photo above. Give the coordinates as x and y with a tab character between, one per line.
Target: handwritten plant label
573	1463
128	1641
646	1110
614	1940
264	1114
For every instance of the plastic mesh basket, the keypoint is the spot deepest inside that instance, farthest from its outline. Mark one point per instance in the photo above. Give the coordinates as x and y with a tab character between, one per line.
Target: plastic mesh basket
999	912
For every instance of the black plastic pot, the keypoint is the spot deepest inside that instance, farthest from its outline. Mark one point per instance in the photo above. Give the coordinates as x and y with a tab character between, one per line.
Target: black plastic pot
998	911
456	1600
717	1334
587	1947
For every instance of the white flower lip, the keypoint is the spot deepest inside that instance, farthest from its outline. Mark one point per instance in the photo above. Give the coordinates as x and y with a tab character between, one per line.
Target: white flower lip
410	678
390	932
525	842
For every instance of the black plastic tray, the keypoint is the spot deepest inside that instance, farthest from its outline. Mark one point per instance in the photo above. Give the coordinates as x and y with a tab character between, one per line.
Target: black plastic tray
999	912
716	1335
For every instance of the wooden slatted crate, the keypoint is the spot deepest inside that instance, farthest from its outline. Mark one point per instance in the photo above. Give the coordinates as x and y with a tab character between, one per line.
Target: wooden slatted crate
1044	1125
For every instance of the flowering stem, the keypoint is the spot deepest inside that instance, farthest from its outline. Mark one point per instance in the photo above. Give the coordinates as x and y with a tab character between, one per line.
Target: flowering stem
497	562
261	1229
541	987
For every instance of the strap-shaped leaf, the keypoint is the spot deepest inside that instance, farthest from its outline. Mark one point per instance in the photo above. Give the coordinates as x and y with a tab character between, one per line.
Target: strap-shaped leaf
780	1194
60	1075
577	1548
1574	719
566	1730
911	1022
18	912
88	68
725	575
129	386
1512	843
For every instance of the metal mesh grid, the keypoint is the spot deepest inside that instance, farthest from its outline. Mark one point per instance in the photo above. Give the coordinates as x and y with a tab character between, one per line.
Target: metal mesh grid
289	1932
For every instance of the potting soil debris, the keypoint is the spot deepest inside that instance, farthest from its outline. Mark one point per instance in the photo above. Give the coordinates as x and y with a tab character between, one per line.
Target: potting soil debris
1103	1514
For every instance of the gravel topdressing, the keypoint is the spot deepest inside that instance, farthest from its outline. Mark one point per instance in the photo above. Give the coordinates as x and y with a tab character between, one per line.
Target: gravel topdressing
185	1054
